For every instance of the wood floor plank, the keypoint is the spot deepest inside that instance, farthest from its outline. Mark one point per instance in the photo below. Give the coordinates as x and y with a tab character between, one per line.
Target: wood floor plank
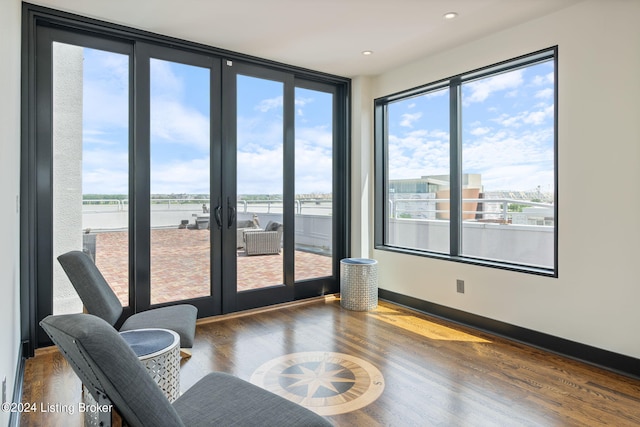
435	373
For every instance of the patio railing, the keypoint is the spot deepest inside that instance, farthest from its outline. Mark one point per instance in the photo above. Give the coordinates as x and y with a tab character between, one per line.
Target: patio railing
505	210
314	206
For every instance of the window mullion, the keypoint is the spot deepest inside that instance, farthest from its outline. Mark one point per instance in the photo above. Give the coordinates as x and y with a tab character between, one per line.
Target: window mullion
455	158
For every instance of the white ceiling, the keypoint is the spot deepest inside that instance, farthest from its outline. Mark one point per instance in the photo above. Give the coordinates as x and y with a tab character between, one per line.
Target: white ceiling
323	35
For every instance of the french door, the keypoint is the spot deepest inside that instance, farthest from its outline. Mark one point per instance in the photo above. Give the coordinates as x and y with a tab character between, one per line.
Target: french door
258	141
187	177
279	161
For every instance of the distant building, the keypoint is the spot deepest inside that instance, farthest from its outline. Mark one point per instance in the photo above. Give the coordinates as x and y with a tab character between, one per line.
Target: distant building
432	184
416	197
427	197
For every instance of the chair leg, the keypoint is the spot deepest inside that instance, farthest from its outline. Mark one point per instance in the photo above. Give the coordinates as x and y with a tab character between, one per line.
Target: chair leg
185	353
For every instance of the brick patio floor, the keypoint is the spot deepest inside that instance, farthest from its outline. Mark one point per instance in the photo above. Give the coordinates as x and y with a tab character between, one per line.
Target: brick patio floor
180	265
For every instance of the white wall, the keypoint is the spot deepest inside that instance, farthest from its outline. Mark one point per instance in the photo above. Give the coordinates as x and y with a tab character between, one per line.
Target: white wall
10	11
361	167
67	169
595	299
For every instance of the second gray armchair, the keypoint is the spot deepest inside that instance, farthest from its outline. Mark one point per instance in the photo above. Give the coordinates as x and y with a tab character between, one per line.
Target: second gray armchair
100	300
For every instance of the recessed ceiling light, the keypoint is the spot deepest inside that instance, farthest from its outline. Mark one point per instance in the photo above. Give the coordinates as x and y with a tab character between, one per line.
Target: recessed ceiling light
367	52
450	15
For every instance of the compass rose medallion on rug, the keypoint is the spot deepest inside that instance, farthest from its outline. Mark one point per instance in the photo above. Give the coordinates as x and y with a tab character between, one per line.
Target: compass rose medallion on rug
325	382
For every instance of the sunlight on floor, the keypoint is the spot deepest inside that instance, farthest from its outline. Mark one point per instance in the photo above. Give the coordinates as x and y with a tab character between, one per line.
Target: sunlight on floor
422	327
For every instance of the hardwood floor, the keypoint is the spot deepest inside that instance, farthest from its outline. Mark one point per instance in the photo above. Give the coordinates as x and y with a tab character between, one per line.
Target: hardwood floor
435	373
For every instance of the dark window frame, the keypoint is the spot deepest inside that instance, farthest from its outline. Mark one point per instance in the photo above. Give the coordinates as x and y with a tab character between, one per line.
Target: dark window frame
454	83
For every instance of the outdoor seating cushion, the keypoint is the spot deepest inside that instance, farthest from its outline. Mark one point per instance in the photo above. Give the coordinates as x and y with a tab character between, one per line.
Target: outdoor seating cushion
107	365
273	226
178	318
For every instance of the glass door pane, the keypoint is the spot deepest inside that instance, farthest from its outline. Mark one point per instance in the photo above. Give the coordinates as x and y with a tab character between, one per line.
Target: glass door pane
313	184
180	181
259	212
90	166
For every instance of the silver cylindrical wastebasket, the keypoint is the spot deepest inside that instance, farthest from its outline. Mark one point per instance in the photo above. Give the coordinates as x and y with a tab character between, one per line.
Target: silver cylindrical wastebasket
359	284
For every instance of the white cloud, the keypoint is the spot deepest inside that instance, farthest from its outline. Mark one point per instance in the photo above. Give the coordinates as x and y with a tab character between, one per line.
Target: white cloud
511	160
105	181
544	93
538	117
255	134
270	104
507	148
301	102
409	119
507	158
105	87
313	163
173	119
523	177
480	131
418	153
543	80
526	117
173	122
511	151
480	90
319	136
105	171
180	177
96	137
260	171
164	80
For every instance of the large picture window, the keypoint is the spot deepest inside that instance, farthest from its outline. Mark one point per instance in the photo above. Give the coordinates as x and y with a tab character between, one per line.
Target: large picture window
466	167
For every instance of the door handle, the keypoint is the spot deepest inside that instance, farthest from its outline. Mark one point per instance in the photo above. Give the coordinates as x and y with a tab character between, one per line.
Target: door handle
231	211
217	213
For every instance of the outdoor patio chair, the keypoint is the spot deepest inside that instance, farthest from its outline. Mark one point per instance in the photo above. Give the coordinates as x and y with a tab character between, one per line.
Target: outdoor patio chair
243	226
112	373
264	242
99	299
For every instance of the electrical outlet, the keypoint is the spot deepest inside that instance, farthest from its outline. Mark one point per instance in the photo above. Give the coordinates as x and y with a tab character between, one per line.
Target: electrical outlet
460	286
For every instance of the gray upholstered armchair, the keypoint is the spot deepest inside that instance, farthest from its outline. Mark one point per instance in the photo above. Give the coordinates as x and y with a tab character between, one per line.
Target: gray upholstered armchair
112	373
264	242
100	300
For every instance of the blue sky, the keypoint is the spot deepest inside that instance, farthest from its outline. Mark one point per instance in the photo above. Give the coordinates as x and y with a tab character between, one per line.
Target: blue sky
507	131
180	130
105	121
260	135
